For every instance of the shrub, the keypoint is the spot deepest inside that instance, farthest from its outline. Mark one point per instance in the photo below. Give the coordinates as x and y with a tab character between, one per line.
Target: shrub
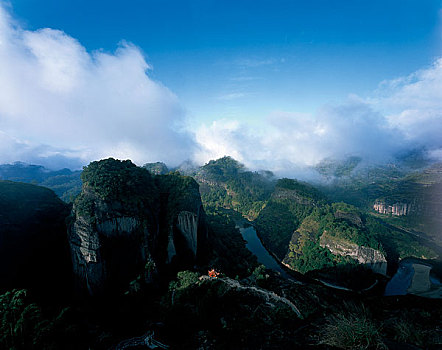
353	330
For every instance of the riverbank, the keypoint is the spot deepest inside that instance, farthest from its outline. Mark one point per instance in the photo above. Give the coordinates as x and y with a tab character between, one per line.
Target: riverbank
256	246
414	277
421	284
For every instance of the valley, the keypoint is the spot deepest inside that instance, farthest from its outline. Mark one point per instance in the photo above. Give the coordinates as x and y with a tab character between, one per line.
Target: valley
216	257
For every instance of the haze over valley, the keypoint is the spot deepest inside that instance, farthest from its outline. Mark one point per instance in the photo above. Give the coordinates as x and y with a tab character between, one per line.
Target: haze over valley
220	175
87	102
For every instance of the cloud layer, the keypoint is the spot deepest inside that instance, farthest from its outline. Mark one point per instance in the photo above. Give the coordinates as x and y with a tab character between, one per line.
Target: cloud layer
61	105
58	100
403	114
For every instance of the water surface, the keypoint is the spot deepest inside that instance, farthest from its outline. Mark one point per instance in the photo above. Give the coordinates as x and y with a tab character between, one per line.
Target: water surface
255	246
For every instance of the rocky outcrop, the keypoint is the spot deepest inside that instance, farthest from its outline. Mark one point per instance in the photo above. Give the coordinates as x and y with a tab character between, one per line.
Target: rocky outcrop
124	218
372	258
270	299
171	251
187	223
187	234
292	195
106	237
118	224
158	168
354	218
398	209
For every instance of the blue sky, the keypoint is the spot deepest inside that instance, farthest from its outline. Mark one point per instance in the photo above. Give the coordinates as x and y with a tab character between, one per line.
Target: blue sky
247	58
243	63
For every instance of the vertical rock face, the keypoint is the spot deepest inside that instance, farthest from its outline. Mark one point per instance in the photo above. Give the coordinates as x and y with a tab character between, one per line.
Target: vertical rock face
188	225
85	251
184	217
124	218
397	209
372	258
108	245
188	233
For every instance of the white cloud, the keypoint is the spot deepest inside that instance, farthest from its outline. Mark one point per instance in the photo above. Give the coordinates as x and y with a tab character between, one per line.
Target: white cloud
291	141
219	139
405	113
59	102
232	96
92	105
413	104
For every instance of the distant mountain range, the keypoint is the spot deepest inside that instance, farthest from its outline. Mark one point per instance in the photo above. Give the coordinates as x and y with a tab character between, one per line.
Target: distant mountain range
65	183
407	193
158	251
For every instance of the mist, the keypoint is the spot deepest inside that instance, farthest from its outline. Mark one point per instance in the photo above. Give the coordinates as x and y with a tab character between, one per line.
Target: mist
63	106
402	115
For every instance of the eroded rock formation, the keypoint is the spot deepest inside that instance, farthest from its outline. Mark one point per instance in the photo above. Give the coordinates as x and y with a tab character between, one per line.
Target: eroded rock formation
397	209
124	217
372	258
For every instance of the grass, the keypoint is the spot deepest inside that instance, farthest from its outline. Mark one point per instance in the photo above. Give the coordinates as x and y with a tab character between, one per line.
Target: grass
352	330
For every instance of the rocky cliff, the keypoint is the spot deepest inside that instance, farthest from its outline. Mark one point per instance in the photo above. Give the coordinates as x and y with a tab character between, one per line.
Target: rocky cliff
371	258
188	230
398	209
125	218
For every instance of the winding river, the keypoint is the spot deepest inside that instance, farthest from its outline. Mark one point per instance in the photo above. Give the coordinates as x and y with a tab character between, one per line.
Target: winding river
255	246
401	281
412	276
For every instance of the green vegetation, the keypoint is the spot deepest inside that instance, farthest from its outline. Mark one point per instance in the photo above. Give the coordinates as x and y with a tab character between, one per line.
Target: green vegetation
19	201
179	192
216	313
67	187
23	325
275	226
354	330
345	222
340	221
419	188
115	181
228	249
305	253
290	203
220	315
184	280
157	168
333	168
302	189
135	188
225	183
362	188
279	212
406	332
119	180
259	275
398	243
65	183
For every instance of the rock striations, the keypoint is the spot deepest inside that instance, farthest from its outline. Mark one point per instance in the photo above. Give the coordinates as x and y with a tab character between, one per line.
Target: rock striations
125	218
398	209
369	257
